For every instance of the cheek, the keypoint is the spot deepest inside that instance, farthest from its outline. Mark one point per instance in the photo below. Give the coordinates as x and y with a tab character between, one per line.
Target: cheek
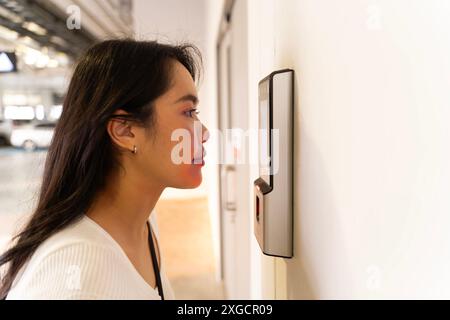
161	149
185	144
185	175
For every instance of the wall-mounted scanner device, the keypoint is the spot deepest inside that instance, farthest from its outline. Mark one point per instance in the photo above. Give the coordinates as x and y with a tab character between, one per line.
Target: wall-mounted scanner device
273	198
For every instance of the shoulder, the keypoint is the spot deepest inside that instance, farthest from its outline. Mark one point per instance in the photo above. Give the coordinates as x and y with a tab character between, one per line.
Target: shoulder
82	243
77	262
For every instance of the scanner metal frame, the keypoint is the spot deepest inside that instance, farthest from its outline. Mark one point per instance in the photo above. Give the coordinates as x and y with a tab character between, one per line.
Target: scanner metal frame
275	236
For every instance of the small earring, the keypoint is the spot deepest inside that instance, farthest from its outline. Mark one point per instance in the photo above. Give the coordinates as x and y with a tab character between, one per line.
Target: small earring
134	150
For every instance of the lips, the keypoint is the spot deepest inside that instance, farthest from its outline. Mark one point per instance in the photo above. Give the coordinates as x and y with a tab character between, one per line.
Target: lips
198	160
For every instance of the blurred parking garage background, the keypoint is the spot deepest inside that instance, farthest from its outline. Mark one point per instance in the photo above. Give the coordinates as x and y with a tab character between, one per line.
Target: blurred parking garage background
39	42
371	159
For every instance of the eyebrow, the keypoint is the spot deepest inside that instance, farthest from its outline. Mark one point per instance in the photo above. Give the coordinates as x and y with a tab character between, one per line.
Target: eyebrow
188	97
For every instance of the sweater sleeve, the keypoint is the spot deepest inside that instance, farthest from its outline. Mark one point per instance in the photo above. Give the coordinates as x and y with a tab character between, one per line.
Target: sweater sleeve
74	271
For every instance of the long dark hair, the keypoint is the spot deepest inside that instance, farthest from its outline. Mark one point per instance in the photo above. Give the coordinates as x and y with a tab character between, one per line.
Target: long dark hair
115	74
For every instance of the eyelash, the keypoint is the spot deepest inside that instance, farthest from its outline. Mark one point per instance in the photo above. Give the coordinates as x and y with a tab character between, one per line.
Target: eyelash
190	112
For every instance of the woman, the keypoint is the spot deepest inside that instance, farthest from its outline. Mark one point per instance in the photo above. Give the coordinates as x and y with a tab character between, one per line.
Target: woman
111	157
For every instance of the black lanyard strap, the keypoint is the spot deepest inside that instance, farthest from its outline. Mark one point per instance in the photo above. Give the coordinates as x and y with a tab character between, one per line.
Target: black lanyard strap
155	261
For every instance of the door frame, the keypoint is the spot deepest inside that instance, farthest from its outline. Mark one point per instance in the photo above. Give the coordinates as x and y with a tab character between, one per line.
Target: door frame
235	222
224	38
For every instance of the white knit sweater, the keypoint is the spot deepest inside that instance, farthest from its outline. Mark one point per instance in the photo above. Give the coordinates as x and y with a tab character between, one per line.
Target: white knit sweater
83	261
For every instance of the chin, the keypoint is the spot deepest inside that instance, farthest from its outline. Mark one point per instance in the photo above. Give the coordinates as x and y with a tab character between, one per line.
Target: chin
189	182
193	184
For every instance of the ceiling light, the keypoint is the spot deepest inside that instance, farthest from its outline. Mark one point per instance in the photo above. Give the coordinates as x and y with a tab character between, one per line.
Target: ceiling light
33	27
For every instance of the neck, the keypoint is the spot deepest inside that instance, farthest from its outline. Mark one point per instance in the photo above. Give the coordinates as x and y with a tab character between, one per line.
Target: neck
124	206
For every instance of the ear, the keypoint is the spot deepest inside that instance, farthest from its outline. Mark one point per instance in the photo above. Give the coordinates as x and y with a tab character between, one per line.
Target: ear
121	131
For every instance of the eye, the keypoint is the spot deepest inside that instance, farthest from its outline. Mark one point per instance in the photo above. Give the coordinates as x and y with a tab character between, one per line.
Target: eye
191	112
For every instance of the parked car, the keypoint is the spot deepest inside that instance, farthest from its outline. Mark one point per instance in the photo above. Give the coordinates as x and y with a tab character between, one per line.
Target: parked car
32	136
6	126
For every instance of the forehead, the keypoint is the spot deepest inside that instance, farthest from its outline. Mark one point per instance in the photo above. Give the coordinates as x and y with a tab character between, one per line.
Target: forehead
182	82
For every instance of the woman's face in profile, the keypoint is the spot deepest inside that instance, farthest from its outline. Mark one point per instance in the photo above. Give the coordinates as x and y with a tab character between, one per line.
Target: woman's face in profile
172	151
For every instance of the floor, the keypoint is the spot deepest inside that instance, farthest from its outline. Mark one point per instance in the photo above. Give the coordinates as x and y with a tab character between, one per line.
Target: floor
20	174
185	233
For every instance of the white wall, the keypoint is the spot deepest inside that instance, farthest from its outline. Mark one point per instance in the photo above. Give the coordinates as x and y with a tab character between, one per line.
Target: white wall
214	14
261	62
372	167
171	20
